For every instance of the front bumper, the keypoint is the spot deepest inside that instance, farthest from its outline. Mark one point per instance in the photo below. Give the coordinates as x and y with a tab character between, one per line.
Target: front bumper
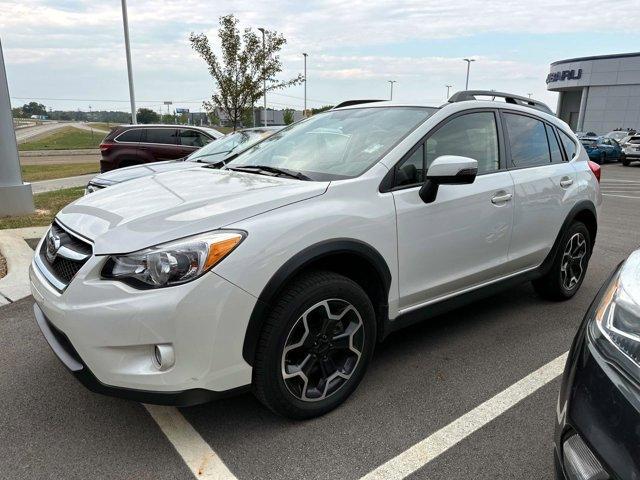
110	331
602	405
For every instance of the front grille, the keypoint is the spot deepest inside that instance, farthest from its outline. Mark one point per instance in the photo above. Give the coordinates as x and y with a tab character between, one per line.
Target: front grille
61	256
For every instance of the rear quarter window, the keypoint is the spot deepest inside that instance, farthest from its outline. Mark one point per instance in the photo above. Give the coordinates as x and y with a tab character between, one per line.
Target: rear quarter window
568	144
129	135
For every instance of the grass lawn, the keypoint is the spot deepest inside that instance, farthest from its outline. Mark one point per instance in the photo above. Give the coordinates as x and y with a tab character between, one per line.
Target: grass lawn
66	139
47	205
35	173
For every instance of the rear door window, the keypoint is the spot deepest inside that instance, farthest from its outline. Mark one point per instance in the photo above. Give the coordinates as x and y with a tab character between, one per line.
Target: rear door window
132	136
161	135
527	140
193	138
554	146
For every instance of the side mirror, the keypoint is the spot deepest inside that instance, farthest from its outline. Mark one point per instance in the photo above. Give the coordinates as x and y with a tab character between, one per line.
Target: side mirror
448	170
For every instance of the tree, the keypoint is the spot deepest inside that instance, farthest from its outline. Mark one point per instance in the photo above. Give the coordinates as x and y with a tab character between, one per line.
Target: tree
167	118
214	118
17	112
321	109
33	108
146	115
287	116
239	70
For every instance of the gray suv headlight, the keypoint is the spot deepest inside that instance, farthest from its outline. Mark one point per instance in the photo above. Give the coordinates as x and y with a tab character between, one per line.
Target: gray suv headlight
615	327
172	263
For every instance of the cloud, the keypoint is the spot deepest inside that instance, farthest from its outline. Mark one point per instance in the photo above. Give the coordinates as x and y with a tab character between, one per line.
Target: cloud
82	39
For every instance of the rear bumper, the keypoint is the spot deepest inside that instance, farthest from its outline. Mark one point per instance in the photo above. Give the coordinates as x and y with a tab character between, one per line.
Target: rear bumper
67	354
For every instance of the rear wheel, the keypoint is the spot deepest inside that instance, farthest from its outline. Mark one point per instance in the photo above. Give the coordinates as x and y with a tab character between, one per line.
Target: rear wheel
569	267
625	161
315	346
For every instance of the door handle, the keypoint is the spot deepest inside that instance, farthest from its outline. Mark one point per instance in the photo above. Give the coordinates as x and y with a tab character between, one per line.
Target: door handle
501	198
566	182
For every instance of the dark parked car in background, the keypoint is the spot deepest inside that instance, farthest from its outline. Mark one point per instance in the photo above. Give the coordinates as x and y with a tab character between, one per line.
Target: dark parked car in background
213	154
598	414
602	149
129	145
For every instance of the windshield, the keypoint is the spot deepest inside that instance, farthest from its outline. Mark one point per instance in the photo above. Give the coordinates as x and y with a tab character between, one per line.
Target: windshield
634	140
217	150
617	135
337	144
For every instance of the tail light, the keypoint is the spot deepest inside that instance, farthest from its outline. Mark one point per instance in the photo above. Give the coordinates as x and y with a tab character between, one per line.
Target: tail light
104	147
595	168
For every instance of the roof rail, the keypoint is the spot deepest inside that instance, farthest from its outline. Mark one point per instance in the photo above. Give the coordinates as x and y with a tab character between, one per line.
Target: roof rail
508	98
348	103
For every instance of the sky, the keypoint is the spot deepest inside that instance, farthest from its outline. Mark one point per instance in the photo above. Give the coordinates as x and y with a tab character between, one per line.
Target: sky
69	54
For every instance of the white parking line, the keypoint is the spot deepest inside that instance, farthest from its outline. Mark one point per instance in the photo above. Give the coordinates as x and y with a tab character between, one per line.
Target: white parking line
619	196
203	462
439	442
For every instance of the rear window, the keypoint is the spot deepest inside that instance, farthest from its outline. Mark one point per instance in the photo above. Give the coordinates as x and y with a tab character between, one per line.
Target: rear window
129	135
161	135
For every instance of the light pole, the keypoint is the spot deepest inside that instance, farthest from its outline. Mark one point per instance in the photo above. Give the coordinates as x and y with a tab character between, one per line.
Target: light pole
304	113
448	87
468	60
264	77
15	197
391	82
132	96
529	94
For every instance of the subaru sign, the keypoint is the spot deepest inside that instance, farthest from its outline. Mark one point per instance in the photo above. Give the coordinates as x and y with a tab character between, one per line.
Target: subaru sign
564	75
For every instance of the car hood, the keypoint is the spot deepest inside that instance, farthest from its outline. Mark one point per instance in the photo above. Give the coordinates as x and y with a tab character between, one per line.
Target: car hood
164	207
130	173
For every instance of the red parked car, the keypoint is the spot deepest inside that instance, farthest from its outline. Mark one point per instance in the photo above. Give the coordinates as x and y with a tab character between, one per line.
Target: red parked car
129	145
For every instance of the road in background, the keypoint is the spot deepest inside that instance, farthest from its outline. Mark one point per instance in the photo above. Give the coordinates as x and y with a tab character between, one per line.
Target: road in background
420	380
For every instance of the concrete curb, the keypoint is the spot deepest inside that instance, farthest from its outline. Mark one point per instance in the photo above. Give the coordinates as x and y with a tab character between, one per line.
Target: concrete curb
15	285
59	153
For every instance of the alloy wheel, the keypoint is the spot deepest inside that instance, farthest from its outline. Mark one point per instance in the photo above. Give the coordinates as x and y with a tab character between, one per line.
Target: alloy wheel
322	350
572	266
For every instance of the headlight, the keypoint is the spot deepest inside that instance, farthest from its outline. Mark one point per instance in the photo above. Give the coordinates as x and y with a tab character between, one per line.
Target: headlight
90	189
615	327
172	263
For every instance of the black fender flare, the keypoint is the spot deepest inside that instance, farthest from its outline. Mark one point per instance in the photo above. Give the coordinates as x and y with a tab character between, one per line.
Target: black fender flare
295	265
578	208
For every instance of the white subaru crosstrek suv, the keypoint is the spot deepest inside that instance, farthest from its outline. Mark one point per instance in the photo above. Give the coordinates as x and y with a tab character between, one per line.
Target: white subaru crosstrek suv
281	271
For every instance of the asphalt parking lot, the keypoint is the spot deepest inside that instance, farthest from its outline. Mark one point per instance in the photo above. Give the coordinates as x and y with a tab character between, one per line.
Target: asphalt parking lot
421	380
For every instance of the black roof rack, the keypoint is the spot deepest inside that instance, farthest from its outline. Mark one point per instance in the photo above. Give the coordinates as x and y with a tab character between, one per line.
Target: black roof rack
348	103
508	98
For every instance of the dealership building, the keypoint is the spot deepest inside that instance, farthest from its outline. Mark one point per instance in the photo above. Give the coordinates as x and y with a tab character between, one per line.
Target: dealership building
598	94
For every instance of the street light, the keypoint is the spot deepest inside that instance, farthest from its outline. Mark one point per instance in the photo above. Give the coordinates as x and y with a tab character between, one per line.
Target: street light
391	82
448	87
132	97
529	94
304	113
468	60
264	77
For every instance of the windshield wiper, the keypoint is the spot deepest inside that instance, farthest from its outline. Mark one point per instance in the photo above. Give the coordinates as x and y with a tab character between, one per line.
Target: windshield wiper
275	170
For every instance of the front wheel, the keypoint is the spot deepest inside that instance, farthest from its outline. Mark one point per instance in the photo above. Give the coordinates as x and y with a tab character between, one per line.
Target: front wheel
625	161
315	346
569	267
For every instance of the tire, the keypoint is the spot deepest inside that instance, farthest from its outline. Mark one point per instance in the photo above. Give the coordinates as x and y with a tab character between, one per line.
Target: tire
286	340
625	162
566	274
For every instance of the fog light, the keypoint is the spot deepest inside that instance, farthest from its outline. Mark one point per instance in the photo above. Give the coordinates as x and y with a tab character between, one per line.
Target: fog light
579	462
164	356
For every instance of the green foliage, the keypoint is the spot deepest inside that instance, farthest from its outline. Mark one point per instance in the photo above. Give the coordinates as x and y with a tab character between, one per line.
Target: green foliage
33	108
146	115
321	109
287	116
239	70
36	173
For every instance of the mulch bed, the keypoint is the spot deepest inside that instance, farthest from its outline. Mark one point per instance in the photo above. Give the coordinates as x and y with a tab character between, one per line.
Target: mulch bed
3	266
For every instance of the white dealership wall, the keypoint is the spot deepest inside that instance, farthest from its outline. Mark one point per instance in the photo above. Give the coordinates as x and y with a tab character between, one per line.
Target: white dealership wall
606	95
